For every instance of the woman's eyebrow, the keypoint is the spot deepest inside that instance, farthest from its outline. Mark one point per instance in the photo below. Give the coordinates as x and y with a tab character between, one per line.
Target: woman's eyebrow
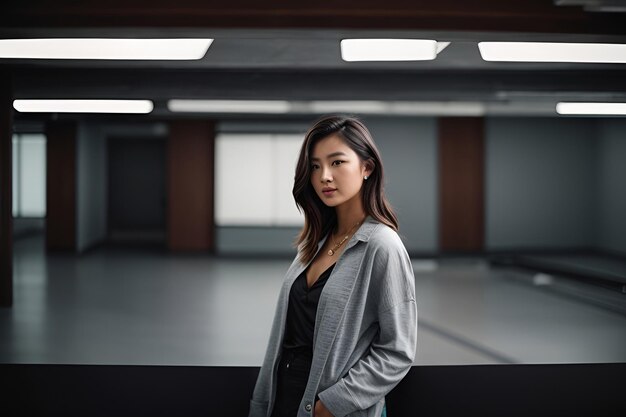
330	155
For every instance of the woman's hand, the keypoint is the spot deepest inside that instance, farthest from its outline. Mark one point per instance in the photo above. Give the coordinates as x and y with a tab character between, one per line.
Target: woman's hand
321	410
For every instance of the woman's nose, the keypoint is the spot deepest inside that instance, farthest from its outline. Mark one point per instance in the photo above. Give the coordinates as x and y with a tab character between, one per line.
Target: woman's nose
326	175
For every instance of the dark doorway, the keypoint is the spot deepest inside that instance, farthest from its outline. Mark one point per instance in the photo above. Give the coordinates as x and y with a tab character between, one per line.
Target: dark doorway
137	196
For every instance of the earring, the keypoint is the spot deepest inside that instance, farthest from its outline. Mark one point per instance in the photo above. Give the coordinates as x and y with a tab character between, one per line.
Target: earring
365	177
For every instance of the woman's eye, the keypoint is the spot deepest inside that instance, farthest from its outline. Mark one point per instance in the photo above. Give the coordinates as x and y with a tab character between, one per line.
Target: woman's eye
316	166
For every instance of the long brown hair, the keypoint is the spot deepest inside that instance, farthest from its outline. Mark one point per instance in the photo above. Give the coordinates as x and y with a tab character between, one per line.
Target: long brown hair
319	219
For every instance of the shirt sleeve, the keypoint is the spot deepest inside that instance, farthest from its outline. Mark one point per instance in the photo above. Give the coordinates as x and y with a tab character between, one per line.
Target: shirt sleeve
392	353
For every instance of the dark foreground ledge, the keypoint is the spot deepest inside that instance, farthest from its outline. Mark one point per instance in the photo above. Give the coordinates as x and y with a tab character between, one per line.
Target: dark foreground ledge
187	391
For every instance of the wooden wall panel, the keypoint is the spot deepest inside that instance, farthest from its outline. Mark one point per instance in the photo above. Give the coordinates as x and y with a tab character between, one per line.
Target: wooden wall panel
6	190
190	178
461	184
61	186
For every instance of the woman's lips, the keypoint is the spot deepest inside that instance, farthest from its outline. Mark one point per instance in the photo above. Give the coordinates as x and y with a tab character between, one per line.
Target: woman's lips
329	192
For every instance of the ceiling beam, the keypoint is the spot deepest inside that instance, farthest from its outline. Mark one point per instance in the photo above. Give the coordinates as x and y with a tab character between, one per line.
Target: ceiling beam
311	85
530	16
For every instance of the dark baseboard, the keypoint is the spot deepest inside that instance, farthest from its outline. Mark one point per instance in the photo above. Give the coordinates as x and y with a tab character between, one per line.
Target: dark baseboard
473	390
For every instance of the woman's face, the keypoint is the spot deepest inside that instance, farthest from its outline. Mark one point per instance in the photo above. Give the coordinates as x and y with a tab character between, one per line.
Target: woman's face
336	166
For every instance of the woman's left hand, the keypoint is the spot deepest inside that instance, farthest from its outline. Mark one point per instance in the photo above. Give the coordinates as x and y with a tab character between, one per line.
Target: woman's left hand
321	410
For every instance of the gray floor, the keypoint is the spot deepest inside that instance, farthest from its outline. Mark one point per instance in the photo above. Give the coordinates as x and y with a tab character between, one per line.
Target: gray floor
142	306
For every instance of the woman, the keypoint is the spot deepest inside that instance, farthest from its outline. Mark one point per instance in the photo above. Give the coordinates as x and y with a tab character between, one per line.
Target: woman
345	328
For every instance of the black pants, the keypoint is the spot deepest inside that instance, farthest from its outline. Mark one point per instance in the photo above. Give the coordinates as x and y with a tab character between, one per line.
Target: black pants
293	374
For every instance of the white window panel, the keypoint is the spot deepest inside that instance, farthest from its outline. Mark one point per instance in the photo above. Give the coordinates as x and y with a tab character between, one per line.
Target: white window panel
286	149
261	168
243	179
32	175
15	177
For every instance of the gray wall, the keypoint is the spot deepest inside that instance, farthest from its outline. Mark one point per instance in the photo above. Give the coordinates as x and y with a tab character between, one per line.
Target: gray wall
408	148
550	183
91	187
539	183
232	240
611	186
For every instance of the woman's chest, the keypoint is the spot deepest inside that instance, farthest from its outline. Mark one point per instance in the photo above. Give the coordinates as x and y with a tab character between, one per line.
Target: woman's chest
322	262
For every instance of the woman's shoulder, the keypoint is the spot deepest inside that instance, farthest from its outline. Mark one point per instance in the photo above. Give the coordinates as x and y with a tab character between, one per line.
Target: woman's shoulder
385	237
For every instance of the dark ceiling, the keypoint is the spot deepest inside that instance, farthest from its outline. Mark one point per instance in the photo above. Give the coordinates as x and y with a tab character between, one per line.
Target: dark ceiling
285	50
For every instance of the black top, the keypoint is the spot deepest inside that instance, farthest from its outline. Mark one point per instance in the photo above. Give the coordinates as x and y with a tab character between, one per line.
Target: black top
302	310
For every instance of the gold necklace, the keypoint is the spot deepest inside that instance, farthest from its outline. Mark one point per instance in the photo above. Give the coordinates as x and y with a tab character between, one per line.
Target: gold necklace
332	251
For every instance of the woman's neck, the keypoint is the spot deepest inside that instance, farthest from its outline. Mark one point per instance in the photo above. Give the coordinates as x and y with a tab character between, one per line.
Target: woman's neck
348	214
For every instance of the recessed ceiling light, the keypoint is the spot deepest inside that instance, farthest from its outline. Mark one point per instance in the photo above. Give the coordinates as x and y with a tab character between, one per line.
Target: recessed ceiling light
592	109
553	52
121	49
441	46
83	106
388	49
229	106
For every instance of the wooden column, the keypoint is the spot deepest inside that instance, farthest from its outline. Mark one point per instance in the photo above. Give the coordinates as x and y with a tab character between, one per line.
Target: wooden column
461	184
6	190
190	190
61	186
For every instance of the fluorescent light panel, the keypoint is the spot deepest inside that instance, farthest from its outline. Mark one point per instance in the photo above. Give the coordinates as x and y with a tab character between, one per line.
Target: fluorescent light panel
358	106
400	108
329	106
83	106
388	49
229	106
553	52
121	49
435	108
441	46
592	109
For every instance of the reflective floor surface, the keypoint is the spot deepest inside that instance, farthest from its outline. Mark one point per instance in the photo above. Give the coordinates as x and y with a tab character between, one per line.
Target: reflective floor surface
144	306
